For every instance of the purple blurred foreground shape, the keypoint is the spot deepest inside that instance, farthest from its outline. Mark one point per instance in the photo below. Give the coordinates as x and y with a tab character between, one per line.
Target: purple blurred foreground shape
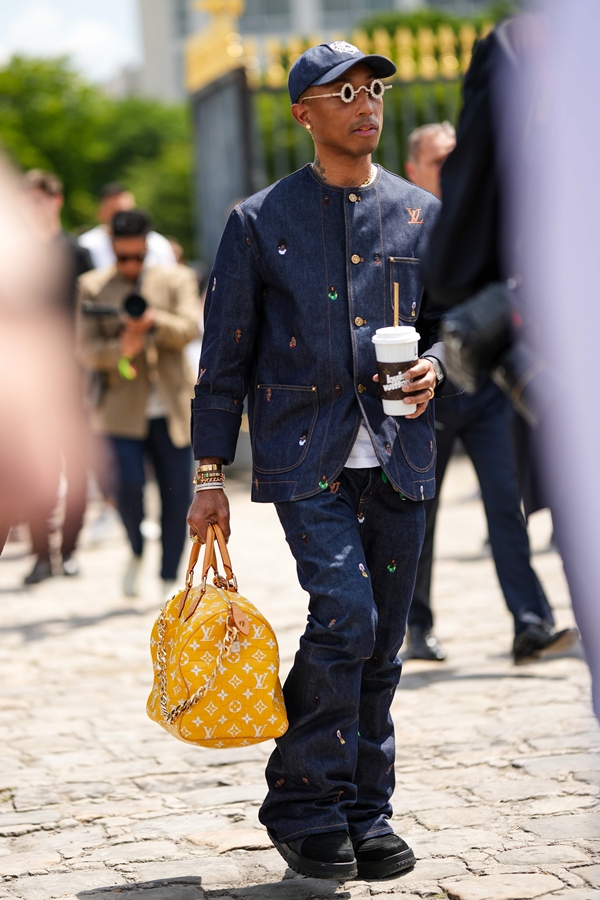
554	206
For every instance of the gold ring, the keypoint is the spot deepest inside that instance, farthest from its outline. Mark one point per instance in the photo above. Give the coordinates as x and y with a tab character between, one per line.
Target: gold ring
195	538
432	394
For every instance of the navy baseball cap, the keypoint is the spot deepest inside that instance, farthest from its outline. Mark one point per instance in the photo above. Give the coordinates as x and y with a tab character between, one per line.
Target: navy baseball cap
327	62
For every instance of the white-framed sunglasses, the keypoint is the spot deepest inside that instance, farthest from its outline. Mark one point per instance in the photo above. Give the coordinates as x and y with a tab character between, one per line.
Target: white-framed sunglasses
349	93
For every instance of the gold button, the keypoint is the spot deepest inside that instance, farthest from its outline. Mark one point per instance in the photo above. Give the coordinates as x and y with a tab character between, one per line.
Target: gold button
361	389
355	258
352	198
358	321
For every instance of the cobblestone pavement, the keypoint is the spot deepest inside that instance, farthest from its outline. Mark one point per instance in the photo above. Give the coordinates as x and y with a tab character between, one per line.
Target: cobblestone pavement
497	766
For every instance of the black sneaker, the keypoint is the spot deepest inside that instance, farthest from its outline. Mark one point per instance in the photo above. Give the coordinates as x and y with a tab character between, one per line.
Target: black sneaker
328	855
378	857
538	641
424	645
41	570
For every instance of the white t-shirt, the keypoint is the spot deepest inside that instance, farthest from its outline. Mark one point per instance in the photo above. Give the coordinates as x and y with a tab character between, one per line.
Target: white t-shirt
98	242
362	455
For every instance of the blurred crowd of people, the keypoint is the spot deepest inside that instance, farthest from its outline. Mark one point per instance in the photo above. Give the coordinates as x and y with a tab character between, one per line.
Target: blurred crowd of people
95	379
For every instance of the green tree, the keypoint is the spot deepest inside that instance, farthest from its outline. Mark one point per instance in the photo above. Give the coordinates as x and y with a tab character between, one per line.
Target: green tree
51	118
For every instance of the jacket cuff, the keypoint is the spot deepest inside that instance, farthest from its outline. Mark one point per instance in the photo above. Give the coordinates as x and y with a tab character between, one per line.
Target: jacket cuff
215	433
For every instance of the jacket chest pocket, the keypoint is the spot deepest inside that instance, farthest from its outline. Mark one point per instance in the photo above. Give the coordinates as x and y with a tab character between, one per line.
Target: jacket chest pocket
283	423
405	272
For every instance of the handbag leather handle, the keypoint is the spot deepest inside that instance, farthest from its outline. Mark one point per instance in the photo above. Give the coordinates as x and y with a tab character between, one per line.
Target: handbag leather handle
210	554
189	575
194	555
223	551
209	562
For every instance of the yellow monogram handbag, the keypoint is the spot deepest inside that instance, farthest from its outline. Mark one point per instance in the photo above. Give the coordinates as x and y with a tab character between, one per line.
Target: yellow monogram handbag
216	661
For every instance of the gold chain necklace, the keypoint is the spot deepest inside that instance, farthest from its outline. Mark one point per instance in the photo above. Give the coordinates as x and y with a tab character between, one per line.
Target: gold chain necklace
365	183
372	174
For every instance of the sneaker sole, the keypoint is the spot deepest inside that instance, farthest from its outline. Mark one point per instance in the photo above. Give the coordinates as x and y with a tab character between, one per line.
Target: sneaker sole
424	658
400	862
312	867
565	642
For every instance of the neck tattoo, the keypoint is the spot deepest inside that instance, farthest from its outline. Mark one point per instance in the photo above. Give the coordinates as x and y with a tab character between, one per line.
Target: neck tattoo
319	169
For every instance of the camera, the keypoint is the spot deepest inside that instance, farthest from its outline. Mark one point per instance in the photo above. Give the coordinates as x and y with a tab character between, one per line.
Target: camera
134	305
482	340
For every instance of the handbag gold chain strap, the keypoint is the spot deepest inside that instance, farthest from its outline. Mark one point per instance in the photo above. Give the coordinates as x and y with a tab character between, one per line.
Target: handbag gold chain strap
170	716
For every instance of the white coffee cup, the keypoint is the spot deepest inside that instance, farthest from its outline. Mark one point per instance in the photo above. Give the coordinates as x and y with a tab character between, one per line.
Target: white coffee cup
396	349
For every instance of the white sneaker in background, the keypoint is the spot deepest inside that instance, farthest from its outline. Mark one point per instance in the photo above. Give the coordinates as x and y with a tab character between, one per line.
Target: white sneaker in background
131	578
70	567
151	530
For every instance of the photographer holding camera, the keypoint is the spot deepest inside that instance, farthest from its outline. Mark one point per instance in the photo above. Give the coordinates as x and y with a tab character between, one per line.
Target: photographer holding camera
133	325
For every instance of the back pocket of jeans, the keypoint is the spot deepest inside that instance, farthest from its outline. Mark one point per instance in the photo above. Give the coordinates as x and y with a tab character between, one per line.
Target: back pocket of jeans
405	272
283	423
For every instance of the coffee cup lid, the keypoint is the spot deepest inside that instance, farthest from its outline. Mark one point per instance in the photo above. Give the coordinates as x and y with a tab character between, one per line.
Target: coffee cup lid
402	334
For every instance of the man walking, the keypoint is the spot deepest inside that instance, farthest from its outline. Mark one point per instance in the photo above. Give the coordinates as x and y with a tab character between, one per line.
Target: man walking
304	275
484	423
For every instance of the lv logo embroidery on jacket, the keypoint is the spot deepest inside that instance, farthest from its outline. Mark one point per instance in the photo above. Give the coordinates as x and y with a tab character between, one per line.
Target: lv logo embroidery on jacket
414	216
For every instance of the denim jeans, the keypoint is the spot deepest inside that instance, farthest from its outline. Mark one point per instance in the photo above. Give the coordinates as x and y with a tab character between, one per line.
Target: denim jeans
483	422
356	547
172	467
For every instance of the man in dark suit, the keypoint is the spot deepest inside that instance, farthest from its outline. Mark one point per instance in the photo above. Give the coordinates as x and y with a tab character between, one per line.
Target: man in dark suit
484	423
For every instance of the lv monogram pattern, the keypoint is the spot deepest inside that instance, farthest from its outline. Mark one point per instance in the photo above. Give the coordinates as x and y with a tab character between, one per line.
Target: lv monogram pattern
245	703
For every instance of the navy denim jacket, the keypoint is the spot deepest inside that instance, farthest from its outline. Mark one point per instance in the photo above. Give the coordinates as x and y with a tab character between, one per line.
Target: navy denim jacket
302	279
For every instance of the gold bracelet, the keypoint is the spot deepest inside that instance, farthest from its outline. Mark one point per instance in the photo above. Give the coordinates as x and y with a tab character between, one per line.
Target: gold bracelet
209	472
208	477
203	478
